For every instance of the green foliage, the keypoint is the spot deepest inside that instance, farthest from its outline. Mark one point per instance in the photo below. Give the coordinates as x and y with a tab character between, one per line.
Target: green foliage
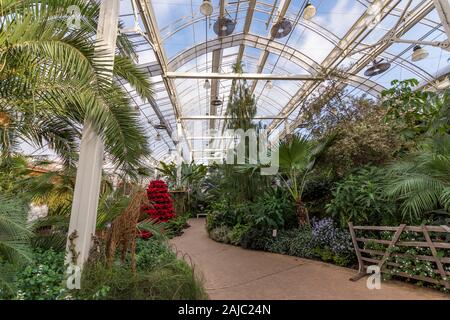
14	240
412	111
421	181
362	140
235	235
43	279
152	253
220	234
272	210
226	212
53	79
300	243
174	280
359	198
241	106
174	227
256	239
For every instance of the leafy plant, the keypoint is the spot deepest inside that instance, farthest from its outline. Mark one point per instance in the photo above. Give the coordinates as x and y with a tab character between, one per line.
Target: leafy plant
220	234
411	110
43	279
421	182
325	235
235	235
256	239
152	253
14	237
297	157
174	280
272	210
359	198
54	79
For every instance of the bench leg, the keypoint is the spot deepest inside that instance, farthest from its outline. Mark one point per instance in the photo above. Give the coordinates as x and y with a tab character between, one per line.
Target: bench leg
358	276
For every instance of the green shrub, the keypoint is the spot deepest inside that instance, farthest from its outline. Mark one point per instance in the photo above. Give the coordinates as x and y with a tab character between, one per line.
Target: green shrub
44	278
359	198
256	239
172	281
220	234
152	253
235	235
174	227
226	212
282	242
300	245
273	210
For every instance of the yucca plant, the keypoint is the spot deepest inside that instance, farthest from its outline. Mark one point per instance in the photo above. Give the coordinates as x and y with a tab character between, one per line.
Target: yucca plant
53	80
421	182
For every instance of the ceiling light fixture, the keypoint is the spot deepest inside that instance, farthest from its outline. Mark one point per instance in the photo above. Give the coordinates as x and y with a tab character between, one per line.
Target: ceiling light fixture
269	84
216	102
310	11
281	29
158	137
377	68
206	8
224	27
206	85
419	53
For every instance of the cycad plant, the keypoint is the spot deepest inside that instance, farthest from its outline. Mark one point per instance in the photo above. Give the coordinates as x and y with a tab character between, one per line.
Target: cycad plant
421	182
53	80
297	157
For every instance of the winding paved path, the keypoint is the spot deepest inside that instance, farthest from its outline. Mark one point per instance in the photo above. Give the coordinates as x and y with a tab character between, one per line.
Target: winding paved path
231	272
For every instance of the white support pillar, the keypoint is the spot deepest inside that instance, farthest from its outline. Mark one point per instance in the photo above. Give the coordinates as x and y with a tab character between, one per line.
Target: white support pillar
89	171
443	9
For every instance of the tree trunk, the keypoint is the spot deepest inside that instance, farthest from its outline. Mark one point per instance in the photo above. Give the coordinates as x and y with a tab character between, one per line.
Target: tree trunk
302	213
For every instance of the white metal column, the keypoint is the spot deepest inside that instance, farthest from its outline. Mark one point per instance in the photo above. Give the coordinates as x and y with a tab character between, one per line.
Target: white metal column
89	171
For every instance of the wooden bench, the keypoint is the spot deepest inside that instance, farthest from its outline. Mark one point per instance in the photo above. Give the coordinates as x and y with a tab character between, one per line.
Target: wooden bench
383	262
201	215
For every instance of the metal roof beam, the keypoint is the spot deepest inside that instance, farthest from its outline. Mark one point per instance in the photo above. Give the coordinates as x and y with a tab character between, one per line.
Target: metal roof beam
410	21
149	21
232	76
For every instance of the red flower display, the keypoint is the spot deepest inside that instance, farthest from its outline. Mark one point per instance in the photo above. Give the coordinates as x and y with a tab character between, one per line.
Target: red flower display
161	204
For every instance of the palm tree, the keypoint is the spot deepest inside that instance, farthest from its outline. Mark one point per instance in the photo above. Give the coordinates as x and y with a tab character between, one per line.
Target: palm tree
53	80
14	234
297	157
421	182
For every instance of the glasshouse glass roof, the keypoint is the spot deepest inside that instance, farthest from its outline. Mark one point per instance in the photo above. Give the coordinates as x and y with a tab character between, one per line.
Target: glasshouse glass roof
292	57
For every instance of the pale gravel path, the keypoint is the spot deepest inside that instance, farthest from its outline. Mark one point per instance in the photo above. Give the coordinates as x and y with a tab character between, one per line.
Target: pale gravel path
231	272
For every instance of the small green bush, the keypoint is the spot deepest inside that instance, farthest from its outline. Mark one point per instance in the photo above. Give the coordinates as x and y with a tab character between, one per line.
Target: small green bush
235	235
300	245
43	279
152	253
220	234
360	199
174	227
256	239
